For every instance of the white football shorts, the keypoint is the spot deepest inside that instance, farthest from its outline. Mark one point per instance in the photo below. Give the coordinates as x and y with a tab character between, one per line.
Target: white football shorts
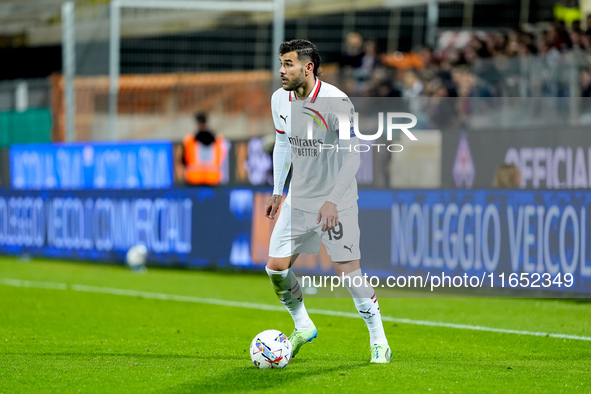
296	232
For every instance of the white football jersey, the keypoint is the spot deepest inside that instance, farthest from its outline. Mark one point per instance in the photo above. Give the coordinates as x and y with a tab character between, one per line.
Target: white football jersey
317	153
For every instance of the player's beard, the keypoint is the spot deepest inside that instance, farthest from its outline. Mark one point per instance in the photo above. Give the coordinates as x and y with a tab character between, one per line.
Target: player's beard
296	82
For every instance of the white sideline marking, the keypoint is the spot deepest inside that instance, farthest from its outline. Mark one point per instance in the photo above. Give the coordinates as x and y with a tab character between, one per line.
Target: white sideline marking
267	307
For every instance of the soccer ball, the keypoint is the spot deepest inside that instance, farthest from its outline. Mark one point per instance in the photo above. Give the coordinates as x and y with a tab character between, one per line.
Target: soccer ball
136	257
270	349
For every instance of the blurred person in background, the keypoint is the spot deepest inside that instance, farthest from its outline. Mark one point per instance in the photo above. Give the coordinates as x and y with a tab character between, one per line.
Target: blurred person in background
577	40
430	60
586	95
350	62
449	60
352	54
412	90
576	27
412	86
586	41
588	24
497	43
499	63
203	155
369	62
468	84
507	176
438	107
586	83
564	35
380	84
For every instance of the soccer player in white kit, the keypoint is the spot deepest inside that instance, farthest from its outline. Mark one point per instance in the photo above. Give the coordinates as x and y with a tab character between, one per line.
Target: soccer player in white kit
321	205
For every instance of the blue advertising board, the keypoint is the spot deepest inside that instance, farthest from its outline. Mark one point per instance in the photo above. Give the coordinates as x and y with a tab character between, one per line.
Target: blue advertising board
193	226
130	165
497	235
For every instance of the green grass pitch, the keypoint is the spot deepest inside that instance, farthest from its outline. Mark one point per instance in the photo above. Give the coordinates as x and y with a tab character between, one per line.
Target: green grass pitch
81	339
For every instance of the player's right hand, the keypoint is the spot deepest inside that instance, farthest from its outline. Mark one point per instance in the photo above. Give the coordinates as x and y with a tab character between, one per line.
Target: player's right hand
272	206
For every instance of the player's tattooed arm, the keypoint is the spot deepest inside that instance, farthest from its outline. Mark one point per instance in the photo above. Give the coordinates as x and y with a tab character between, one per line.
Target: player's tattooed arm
272	206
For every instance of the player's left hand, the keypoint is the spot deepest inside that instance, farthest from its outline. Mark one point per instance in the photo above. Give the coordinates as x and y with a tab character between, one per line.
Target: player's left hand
328	215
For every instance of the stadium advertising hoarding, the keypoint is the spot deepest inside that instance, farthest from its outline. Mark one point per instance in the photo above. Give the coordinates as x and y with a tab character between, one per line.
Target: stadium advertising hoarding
250	163
525	236
145	165
548	158
130	165
497	236
177	225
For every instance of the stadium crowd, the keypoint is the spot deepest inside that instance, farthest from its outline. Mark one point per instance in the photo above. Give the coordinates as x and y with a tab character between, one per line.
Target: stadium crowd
491	64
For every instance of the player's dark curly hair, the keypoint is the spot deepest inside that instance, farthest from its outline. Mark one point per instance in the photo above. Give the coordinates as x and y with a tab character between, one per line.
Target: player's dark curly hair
305	50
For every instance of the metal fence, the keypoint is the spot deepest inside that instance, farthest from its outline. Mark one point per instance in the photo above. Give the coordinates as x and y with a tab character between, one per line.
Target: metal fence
197	41
162	105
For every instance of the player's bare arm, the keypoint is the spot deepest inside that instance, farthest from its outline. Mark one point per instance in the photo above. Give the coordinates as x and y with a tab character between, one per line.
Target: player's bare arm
328	215
272	206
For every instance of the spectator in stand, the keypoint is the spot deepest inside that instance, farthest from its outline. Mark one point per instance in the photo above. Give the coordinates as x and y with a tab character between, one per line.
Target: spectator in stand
380	85
586	94
439	109
469	85
412	89
493	64
576	26
529	40
353	52
586	84
429	59
586	42
507	176
412	84
470	56
479	47
497	43
576	39
564	35
369	63
357	63
370	60
588	25
449	60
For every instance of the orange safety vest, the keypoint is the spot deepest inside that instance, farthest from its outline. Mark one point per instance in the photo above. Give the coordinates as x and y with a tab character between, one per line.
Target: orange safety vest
203	162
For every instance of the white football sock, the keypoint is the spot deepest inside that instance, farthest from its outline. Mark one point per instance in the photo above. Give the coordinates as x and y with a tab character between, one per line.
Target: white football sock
367	304
289	292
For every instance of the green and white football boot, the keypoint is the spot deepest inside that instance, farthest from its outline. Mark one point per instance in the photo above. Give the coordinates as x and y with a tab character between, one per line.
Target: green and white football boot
380	354
300	337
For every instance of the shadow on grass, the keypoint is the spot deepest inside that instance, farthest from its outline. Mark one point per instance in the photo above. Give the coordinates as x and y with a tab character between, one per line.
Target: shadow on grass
249	378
